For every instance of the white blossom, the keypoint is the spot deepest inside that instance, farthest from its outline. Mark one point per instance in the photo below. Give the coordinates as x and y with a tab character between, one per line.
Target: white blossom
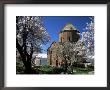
88	38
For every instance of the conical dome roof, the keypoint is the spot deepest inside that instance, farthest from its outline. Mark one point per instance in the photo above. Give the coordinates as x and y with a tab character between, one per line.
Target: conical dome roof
68	26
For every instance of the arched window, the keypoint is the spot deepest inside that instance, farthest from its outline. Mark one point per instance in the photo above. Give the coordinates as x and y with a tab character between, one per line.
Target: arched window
61	39
50	61
56	62
69	39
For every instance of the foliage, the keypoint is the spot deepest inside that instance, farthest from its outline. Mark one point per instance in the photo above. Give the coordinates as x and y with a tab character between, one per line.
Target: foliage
90	67
70	52
48	69
45	70
81	70
30	35
31	30
55	70
88	38
19	67
58	70
77	64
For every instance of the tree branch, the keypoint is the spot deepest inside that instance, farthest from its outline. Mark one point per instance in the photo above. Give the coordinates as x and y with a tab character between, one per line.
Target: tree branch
31	50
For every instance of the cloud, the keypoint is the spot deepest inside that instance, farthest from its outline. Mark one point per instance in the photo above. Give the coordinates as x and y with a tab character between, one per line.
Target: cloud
42	55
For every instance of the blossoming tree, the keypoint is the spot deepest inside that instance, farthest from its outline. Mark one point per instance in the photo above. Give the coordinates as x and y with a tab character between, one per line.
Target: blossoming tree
88	38
30	35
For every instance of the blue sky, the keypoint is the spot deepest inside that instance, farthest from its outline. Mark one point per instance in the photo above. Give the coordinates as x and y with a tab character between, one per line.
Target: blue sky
54	24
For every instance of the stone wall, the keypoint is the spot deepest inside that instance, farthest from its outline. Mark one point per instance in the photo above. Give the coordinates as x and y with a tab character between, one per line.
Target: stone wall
67	34
71	36
52	56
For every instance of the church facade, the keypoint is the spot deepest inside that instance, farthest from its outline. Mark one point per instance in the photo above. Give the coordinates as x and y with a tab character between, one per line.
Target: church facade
68	34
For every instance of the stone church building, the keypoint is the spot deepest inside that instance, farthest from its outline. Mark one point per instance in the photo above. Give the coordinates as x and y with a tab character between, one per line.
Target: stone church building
68	34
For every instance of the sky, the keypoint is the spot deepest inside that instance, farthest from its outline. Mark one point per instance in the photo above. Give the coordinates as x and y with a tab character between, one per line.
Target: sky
54	24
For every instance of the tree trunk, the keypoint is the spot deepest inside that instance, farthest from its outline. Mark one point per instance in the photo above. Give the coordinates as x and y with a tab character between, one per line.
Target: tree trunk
26	59
28	68
65	66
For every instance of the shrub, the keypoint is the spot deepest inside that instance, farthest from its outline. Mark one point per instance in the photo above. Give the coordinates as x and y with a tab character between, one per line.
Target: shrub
48	69
19	68
58	70
44	69
77	64
90	67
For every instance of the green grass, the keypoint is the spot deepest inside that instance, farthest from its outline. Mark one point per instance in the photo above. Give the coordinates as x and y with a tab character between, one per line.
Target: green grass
54	70
48	69
82	70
